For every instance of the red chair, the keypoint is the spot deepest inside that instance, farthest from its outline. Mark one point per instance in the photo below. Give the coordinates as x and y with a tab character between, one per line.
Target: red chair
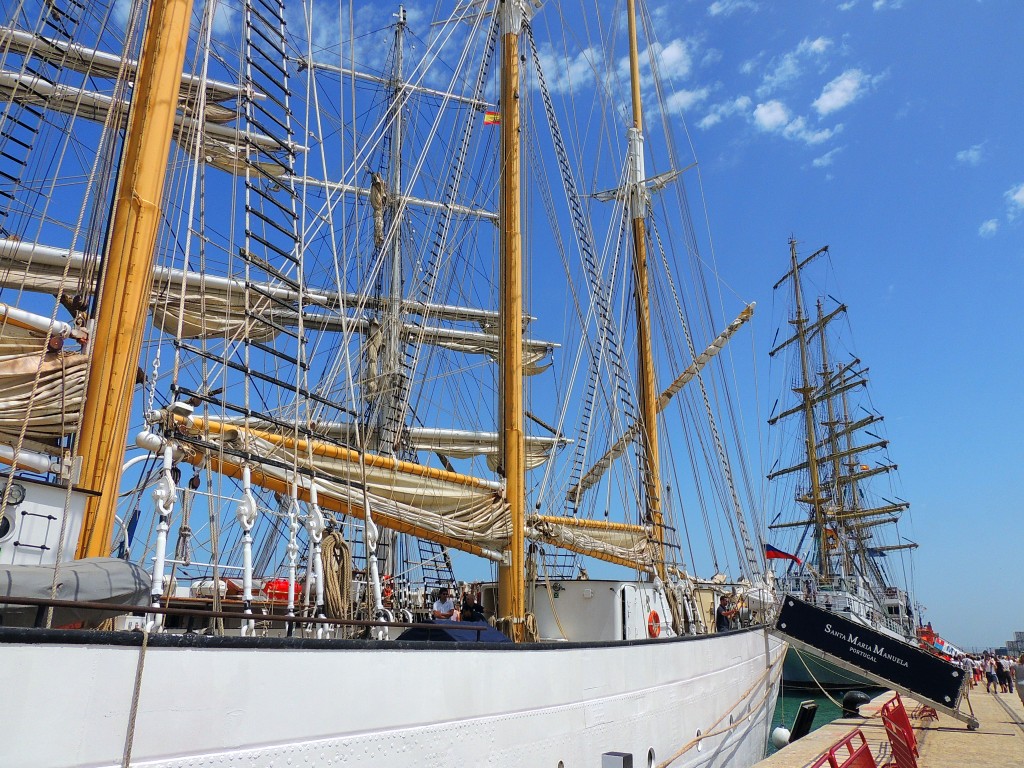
901	734
852	751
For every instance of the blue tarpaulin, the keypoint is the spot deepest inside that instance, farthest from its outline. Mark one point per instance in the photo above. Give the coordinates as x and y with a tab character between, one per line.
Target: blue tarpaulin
446	631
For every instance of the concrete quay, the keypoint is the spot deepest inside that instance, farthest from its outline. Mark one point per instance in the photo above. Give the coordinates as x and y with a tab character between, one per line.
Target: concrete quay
943	743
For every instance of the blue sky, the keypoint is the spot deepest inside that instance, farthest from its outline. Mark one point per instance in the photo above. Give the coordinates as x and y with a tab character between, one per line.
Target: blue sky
891	132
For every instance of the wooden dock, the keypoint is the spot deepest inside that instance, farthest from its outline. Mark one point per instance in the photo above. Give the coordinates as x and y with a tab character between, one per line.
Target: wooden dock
942	742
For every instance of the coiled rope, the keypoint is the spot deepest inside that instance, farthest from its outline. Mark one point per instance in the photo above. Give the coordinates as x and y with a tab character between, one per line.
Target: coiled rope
337	562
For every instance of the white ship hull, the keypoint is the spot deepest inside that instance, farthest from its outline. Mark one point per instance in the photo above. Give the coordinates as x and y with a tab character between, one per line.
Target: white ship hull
226	701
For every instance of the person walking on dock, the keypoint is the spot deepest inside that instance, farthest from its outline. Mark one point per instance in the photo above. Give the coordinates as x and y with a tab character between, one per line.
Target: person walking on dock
991	680
1002	675
1019	674
968	664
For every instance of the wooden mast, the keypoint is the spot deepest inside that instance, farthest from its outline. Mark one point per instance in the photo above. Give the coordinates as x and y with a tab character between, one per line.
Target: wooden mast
123	300
835	456
512	573
648	395
806	391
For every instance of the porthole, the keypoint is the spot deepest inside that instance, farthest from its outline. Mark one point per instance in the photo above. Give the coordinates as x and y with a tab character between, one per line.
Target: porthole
16	494
561	764
6	526
732	719
650	758
700	744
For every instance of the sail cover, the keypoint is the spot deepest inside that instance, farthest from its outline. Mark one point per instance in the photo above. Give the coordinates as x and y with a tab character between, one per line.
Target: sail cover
97	579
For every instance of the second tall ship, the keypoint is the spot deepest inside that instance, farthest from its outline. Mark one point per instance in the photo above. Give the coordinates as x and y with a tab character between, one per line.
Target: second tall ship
838	531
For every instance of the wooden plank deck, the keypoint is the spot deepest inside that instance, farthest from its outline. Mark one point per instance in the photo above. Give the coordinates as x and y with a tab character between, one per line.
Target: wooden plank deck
943	743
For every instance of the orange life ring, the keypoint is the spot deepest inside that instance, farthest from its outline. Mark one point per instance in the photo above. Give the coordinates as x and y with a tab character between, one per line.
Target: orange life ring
653	624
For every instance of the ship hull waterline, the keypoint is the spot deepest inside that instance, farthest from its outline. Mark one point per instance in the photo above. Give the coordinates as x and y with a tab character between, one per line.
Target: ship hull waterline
261	701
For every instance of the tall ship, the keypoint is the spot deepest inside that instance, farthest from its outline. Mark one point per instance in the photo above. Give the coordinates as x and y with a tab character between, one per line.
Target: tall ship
838	533
311	311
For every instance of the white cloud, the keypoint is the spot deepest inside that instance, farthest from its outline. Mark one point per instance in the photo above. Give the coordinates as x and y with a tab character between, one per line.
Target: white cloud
680	101
774	117
989	228
724	109
749	66
786	70
972	156
1014	201
674	59
826	159
788	67
561	73
817	46
711	56
771	116
674	62
225	19
842	91
729	7
798	129
881	5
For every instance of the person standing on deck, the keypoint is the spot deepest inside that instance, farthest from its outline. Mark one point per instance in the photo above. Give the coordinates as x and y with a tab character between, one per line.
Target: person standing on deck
444	606
724	615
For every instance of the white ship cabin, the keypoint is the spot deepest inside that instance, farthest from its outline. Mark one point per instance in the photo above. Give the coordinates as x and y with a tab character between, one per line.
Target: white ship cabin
899	611
31	519
598	610
851	598
609	610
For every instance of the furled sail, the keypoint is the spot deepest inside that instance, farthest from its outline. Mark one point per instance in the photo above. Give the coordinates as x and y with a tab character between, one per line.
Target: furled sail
223	145
211	306
453	443
398	492
40	382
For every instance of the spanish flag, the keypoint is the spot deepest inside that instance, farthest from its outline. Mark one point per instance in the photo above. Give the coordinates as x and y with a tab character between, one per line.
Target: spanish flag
492	118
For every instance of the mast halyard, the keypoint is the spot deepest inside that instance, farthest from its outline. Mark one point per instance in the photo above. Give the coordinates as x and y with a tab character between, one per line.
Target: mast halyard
124	296
638	197
512	572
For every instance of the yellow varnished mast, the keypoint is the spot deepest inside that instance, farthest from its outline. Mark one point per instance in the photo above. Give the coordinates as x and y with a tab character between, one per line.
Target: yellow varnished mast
648	393
128	266
806	392
512	573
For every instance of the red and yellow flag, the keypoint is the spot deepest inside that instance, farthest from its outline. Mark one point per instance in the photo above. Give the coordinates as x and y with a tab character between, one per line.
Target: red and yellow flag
492	118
